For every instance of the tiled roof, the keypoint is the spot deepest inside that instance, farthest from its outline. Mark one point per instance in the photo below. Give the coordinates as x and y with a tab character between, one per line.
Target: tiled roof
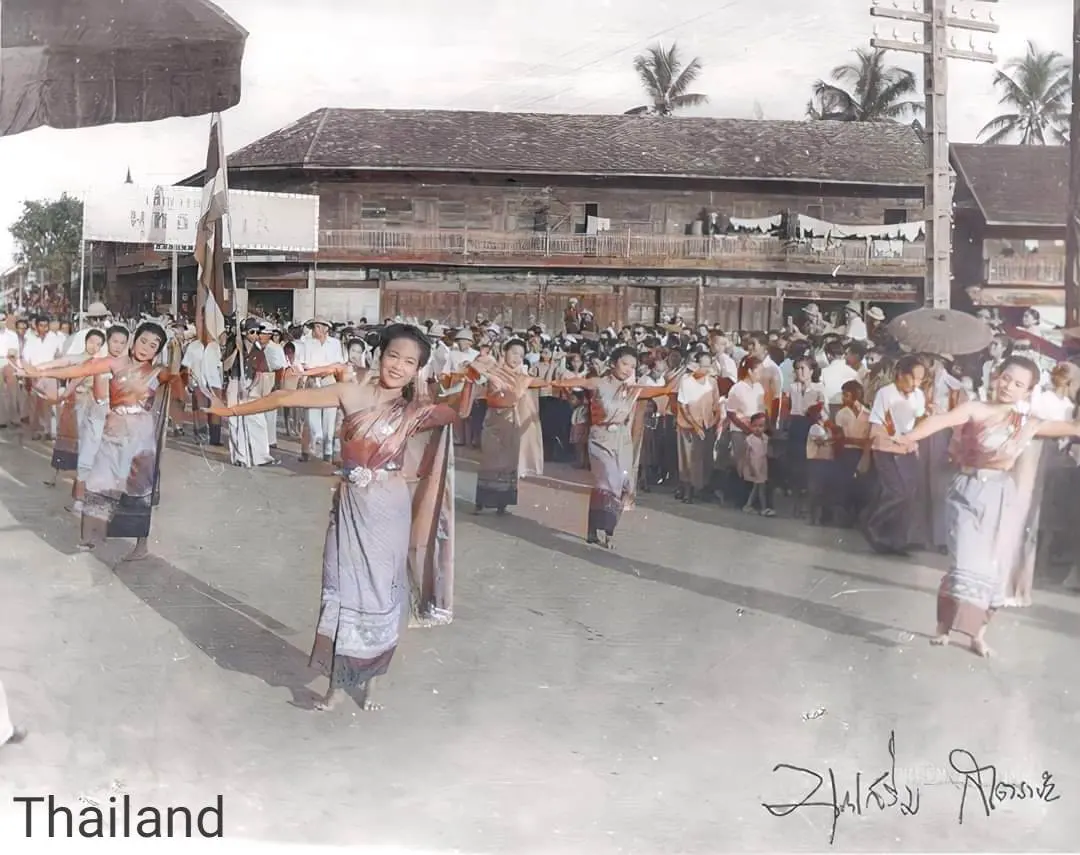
1016	184
440	140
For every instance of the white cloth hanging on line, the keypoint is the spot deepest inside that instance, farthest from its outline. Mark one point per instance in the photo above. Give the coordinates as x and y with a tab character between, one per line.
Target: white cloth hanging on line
762	224
898	231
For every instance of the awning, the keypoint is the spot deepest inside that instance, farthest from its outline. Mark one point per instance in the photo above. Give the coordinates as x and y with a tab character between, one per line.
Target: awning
76	64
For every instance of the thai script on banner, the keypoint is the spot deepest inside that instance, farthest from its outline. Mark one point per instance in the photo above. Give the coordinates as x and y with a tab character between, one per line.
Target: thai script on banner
168	216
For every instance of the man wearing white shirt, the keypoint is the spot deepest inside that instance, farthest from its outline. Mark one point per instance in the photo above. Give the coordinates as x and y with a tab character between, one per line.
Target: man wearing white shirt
318	351
856	326
9	383
205	381
460	356
722	359
275	362
772	381
837	371
39	347
897	408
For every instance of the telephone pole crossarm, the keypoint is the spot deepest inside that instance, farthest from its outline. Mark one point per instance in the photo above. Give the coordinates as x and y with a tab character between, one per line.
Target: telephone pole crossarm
937	48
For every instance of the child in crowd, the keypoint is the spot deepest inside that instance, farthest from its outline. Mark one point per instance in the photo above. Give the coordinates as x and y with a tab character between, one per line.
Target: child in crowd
819	465
853	452
755	467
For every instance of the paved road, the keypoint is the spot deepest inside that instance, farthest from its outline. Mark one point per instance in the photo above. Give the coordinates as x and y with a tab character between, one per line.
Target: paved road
582	701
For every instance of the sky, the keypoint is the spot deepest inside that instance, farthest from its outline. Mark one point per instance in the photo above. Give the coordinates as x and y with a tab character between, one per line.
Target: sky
568	56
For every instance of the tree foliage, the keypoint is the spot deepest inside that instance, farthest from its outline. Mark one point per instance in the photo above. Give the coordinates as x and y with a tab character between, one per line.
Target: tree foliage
667	81
866	90
1035	94
48	236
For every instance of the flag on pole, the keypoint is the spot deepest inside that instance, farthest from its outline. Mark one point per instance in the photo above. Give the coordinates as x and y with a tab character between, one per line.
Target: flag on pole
209	250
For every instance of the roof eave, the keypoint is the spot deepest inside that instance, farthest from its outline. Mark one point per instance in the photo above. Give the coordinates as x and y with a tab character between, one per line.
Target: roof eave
687	176
1012	224
962	173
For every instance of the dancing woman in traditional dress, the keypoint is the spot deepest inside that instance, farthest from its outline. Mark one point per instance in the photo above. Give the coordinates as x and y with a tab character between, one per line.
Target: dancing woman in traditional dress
612	402
988	440
511	442
377	527
122	483
71	402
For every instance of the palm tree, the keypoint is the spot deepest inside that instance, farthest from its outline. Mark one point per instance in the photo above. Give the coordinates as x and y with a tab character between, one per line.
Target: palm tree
866	90
666	81
1035	91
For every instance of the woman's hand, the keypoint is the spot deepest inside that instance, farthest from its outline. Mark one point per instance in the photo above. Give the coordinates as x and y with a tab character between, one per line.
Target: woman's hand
905	445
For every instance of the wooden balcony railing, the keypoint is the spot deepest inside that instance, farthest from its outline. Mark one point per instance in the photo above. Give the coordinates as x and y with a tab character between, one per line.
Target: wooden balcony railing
621	249
1026	270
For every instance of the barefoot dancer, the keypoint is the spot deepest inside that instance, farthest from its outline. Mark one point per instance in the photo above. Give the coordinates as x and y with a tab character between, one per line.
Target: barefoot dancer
511	442
72	403
121	485
611	446
376	527
989	439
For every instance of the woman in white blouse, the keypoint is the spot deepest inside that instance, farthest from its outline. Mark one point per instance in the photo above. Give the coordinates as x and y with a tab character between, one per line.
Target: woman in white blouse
745	400
806	391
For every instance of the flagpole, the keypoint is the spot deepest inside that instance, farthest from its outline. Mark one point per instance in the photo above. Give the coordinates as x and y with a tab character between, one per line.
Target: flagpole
82	281
235	303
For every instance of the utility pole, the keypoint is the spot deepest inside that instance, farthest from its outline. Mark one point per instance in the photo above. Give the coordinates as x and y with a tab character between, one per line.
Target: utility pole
937	48
1072	234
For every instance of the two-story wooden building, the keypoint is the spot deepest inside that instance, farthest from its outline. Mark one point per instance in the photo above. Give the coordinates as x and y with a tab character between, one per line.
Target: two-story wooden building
1010	206
440	214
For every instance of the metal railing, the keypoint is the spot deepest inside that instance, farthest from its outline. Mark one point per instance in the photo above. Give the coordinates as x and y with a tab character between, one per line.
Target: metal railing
618	247
1026	270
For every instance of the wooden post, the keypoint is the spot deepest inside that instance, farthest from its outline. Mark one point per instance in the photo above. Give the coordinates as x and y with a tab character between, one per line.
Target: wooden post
699	302
541	299
1072	234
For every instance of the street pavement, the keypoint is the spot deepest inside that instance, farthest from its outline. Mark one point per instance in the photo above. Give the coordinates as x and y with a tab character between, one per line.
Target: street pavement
582	701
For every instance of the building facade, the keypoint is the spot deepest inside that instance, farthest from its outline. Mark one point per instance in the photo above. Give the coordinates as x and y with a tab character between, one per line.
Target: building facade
444	215
1010	207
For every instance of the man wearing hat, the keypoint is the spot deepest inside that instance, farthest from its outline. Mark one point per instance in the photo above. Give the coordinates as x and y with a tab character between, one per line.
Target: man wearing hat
856	327
875	317
248	443
458	359
268	382
318	350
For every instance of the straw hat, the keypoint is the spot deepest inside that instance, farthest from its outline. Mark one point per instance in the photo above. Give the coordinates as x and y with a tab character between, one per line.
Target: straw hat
875	314
465	334
319	321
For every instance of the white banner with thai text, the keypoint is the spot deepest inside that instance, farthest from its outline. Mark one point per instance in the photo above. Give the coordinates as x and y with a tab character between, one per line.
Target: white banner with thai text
167	216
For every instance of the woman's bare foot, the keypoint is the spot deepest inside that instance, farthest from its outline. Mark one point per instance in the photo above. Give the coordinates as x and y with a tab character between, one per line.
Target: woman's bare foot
140	551
978	645
369	704
86	547
940	640
329	701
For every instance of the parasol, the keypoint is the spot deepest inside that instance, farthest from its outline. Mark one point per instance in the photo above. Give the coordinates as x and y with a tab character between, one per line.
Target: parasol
76	64
941	331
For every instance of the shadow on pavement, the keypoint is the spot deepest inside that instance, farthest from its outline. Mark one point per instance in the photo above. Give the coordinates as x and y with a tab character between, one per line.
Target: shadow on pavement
812	614
236	636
